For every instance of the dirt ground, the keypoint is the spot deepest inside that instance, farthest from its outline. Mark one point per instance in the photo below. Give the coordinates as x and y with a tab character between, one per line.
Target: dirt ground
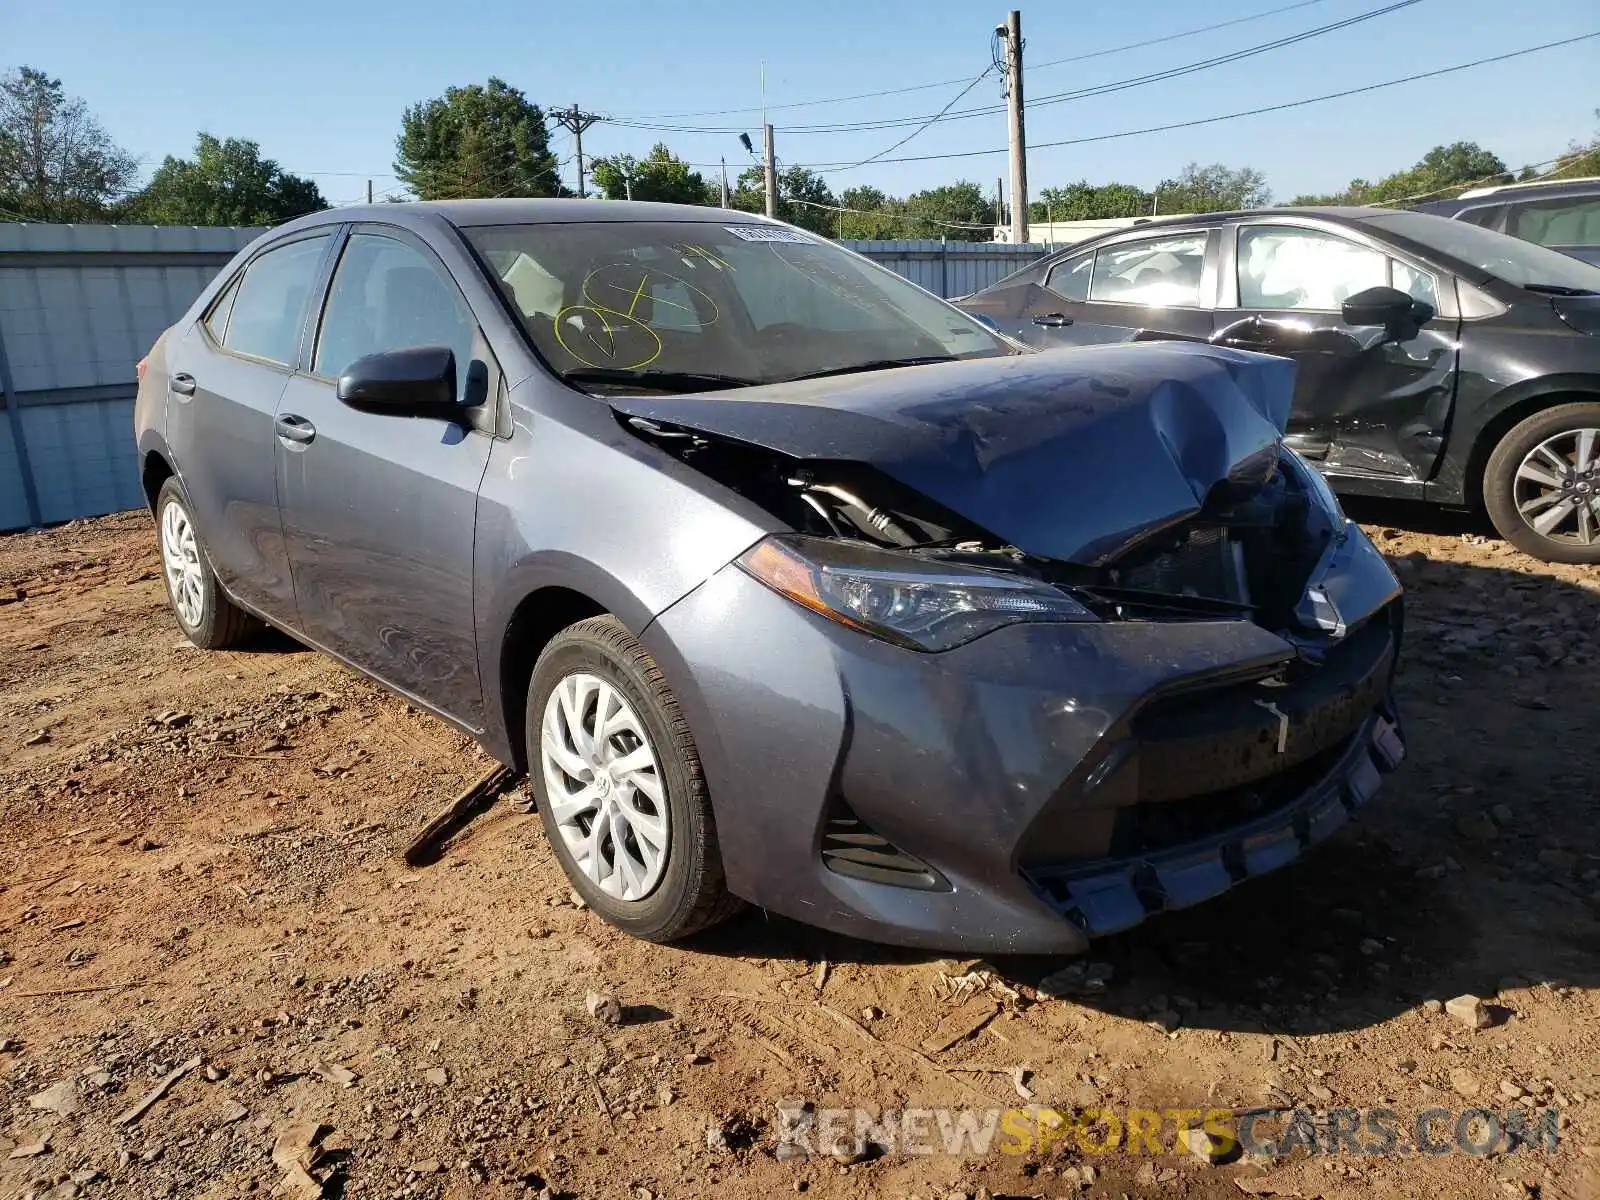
201	868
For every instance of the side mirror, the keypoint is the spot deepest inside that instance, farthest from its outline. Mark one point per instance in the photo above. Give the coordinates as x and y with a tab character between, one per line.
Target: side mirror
416	382
1386	306
986	321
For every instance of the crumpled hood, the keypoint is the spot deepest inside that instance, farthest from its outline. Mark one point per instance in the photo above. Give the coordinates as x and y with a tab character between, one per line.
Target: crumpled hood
1069	454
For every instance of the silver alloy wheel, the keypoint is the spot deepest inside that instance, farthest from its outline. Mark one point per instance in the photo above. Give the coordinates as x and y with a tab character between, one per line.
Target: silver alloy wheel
1557	488
180	556
604	786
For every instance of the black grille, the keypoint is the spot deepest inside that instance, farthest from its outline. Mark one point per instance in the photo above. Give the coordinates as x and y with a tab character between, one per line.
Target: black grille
850	847
1148	828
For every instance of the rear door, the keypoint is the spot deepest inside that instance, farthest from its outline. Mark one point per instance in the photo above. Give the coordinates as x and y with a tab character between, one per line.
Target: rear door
226	376
1134	288
1365	405
379	511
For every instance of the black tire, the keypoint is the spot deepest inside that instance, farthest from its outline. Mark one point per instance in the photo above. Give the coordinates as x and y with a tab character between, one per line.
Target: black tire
691	894
1500	484
220	623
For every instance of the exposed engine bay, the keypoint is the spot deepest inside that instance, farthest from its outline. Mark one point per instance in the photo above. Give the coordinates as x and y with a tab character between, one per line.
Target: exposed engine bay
1247	553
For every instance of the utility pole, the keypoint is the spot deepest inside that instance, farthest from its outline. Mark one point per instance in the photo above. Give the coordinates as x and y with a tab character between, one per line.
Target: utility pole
369	191
1019	140
724	183
772	172
575	121
999	201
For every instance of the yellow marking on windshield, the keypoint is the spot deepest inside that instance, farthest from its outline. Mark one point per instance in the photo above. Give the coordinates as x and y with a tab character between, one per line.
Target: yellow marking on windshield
638	293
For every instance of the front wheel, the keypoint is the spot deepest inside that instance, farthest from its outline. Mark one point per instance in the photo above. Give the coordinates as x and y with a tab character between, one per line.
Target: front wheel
208	618
617	780
1541	486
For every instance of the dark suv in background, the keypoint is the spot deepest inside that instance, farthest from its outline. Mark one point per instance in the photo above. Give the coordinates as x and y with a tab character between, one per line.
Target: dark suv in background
1563	214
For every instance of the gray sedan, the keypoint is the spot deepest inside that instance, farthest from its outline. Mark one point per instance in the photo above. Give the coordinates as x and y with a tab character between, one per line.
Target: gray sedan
783	580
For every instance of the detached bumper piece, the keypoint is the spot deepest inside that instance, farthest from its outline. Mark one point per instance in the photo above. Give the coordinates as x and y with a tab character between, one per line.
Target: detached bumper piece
1110	896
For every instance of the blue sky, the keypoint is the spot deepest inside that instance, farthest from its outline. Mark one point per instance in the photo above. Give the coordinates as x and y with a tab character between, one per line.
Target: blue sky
321	86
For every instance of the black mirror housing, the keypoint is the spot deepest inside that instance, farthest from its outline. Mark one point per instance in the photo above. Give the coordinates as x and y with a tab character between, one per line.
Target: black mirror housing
1387	307
415	382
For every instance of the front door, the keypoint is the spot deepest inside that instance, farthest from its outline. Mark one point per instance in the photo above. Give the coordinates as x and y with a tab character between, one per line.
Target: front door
226	377
1365	405
379	511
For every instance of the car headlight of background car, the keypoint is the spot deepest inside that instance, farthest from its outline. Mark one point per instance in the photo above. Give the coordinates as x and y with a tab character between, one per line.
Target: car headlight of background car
917	603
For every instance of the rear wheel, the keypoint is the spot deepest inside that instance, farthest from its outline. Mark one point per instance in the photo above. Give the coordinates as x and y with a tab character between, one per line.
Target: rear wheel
208	618
616	776
1541	486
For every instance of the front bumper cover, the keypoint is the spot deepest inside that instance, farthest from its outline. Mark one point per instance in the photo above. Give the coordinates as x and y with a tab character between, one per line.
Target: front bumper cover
1110	896
982	764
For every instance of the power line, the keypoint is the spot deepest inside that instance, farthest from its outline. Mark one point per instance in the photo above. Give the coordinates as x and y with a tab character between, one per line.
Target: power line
977	79
828	168
940	83
1101	89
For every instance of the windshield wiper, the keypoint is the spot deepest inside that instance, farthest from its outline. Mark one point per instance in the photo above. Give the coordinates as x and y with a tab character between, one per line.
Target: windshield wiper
877	364
1558	289
658	381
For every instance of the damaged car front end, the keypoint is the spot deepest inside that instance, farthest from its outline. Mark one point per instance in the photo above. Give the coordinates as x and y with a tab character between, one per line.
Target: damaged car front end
1043	645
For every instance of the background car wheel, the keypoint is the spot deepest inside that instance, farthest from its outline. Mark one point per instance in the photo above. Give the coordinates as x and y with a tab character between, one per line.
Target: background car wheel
209	619
1542	484
617	780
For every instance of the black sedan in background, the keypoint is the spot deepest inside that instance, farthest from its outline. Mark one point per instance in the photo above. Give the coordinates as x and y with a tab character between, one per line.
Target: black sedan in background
1437	360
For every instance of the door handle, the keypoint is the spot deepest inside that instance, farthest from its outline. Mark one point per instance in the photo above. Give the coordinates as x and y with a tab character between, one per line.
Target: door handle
295	429
1052	320
183	384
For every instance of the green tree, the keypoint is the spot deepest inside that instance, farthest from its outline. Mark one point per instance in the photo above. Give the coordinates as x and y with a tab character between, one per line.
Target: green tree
1441	174
1084	201
226	183
660	175
959	211
1213	188
1581	160
56	162
804	198
875	217
476	141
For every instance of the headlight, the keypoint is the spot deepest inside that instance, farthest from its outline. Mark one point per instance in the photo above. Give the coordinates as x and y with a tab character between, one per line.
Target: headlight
919	604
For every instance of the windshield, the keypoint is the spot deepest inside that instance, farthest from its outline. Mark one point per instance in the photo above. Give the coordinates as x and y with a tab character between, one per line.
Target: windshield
1511	259
694	306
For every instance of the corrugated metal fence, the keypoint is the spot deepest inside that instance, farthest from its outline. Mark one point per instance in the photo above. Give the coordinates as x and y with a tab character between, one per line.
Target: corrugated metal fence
80	304
949	269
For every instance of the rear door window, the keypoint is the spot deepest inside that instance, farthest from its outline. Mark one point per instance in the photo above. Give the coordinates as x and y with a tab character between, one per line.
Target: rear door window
1070	279
270	305
1160	272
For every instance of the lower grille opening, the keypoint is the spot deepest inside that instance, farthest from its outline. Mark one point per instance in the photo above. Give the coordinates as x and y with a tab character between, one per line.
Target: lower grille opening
1151	827
850	847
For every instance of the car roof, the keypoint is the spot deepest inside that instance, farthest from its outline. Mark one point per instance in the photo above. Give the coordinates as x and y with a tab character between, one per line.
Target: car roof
1583	185
1336	212
528	211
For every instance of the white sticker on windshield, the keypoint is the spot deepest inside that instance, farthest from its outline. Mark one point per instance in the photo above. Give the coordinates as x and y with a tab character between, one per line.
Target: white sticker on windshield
764	233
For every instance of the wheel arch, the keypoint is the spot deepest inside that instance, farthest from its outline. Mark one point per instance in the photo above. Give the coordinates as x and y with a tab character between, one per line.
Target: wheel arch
1518	410
154	470
536	619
